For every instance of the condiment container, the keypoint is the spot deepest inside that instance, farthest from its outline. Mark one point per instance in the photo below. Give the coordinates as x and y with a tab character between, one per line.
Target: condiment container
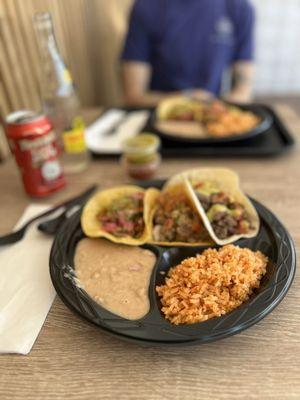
141	158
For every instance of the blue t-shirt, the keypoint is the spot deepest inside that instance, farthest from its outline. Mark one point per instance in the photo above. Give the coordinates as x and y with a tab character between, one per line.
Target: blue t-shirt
189	43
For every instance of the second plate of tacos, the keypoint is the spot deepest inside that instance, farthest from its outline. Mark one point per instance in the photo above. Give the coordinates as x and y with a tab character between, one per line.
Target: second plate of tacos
118	214
173	219
226	211
182	119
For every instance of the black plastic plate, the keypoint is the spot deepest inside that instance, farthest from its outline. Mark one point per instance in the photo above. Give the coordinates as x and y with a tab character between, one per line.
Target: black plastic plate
265	124
273	240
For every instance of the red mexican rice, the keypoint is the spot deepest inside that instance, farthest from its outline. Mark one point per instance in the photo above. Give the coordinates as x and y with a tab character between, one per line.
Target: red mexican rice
211	284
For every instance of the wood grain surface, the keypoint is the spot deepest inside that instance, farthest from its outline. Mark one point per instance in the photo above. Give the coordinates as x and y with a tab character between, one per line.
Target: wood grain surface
90	36
72	360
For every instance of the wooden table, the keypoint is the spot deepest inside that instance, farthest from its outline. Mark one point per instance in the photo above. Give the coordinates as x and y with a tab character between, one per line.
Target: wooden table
72	360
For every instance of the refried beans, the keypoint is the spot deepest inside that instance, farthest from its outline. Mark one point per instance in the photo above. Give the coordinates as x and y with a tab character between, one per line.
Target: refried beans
116	276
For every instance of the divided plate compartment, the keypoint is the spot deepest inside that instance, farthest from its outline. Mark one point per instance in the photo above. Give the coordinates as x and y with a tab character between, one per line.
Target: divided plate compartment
153	329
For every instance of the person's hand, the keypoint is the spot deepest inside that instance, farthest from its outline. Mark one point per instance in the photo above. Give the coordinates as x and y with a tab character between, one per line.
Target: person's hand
199	94
238	96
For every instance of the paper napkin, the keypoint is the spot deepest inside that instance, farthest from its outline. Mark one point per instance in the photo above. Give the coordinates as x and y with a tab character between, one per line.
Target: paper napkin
26	291
97	135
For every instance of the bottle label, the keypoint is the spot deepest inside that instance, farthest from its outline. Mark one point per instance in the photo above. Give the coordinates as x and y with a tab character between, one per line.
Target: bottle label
73	139
67	76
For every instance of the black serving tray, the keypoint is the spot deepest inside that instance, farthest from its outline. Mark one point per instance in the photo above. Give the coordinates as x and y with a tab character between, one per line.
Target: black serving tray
273	240
274	141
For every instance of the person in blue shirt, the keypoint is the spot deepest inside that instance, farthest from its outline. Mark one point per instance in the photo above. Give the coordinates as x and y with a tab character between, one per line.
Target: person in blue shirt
174	46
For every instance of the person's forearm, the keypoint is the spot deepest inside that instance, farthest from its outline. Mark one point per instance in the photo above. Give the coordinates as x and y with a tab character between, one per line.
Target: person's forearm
136	78
243	80
147	99
239	95
152	98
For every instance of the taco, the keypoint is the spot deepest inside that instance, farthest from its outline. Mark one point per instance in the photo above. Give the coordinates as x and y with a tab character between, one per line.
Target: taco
180	108
226	211
185	117
174	219
118	214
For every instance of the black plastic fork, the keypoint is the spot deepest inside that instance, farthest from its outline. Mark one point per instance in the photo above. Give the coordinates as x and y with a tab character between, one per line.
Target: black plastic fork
52	225
16	236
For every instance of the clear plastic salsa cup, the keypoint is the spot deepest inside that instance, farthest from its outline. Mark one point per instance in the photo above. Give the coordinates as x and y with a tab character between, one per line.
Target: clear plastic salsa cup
141	158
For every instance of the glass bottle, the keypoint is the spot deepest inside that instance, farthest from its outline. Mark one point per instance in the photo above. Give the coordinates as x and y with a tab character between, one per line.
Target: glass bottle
60	101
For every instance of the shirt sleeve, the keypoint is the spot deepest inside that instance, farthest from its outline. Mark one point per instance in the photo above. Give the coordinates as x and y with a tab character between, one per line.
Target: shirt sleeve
245	21
137	46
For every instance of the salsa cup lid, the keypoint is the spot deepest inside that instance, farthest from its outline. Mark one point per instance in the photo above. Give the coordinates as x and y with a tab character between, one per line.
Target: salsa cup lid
144	143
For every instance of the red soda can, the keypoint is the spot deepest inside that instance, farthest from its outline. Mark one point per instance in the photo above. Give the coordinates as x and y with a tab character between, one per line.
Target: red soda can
33	143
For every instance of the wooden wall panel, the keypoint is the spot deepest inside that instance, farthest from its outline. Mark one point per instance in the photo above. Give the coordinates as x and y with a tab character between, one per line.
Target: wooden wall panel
108	24
89	34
